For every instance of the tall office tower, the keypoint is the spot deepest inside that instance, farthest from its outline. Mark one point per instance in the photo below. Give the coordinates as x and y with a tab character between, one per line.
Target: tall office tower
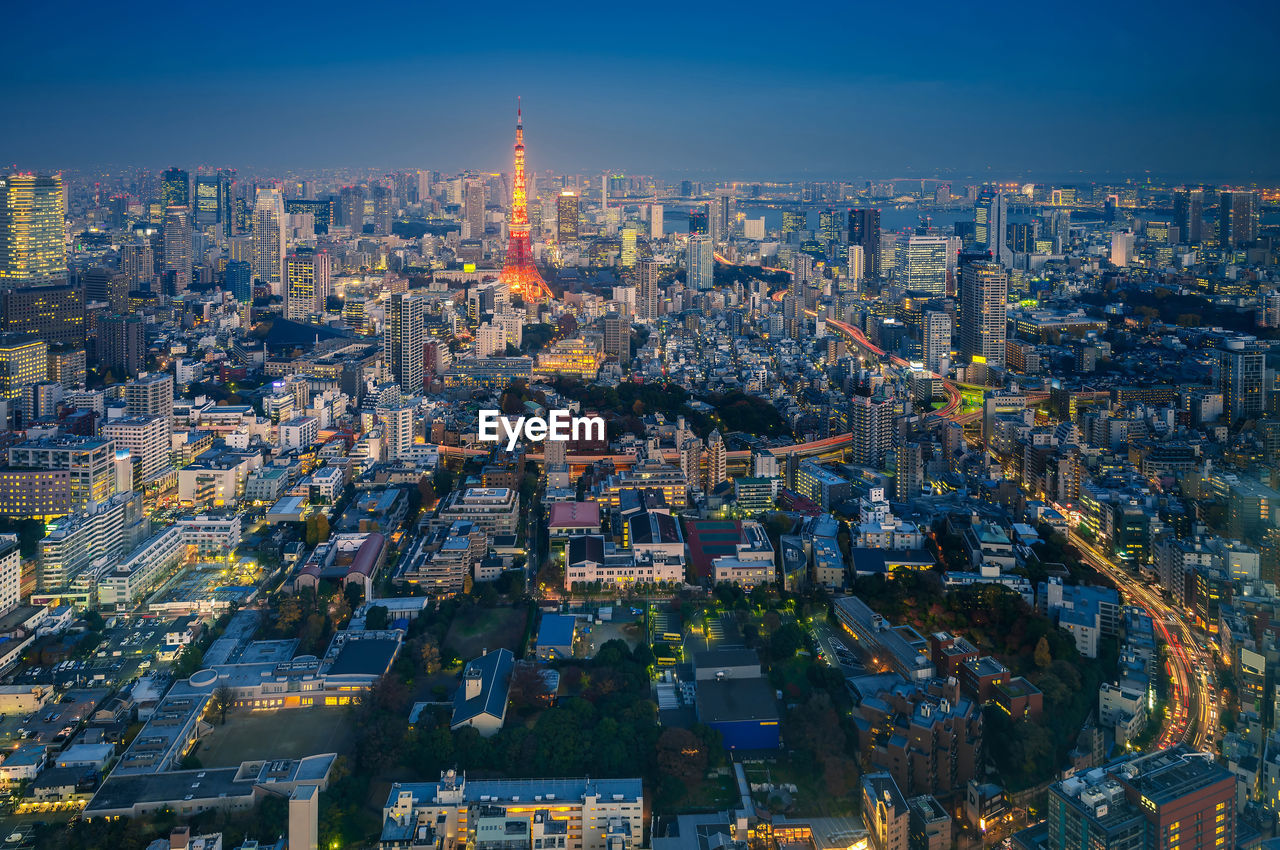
381	197
856	263
226	200
567	216
627	258
829	227
617	337
473	208
984	287
309	275
937	340
403	339
426	185
1021	237
1242	373
722	215
648	295
1165	800
717	461
24	360
137	263
1060	224
53	313
149	396
701	263
992	217
864	230
209	201
925	265
178	257
146	439
175	189
33	246
519	272
793	221
269	239
1237	219
238	280
871	421
104	286
121	345
655	221
1182	212
351	208
700	220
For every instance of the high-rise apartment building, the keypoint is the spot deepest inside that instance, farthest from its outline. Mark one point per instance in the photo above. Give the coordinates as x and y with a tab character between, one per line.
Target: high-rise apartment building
701	263
648	294
404	338
864	230
33	245
717	461
146	439
351	208
473	208
936	327
137	263
382	210
150	395
309	276
871	421
122	345
1242	378
1237	219
984	290
178	259
269	239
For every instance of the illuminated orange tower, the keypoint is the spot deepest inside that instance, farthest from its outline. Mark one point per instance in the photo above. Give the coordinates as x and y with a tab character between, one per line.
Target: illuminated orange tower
519	272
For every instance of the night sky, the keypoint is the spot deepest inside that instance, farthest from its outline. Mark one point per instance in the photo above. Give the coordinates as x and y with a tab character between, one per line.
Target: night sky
735	90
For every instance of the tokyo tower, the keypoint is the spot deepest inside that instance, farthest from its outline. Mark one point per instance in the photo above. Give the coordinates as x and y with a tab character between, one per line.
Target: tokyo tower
518	272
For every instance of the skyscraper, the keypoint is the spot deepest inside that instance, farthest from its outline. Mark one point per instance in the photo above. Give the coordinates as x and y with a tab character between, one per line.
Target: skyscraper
269	239
700	220
992	217
627	258
1237	219
24	361
121	345
1242	372
701	263
567	216
178	258
925	265
648	296
937	339
984	287
864	230
33	245
209	200
351	208
239	280
175	189
473	208
309	283
519	272
403	339
871	421
717	461
655	221
137	263
381	197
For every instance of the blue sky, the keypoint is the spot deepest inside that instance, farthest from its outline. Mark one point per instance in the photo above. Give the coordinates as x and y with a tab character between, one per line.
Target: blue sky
735	90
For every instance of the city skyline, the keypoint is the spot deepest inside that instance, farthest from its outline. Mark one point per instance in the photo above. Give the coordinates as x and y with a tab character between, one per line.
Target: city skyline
1025	95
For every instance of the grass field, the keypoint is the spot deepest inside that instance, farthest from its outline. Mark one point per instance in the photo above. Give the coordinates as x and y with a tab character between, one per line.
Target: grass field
478	629
288	733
